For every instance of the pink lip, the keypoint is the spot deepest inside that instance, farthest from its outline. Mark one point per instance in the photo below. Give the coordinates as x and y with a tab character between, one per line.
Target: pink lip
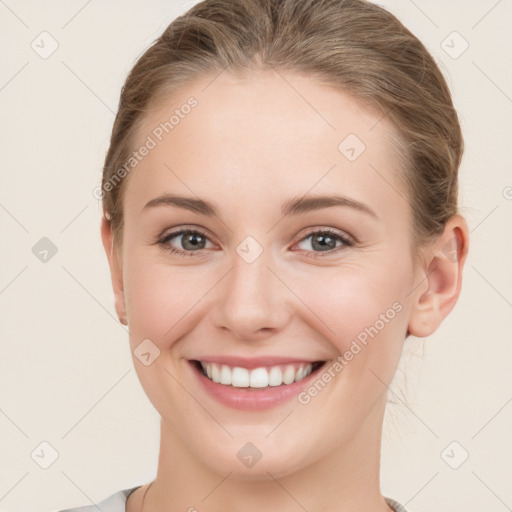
251	399
254	362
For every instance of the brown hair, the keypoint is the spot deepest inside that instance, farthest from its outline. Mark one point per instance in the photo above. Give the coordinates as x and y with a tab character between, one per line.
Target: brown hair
354	45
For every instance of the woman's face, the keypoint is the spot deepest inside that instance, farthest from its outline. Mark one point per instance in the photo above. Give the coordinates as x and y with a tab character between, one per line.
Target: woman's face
264	283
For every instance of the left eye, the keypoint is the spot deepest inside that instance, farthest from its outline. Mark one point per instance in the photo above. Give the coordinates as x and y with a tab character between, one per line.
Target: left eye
325	241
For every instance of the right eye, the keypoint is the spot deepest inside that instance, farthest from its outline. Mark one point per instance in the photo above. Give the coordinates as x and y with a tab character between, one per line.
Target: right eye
192	241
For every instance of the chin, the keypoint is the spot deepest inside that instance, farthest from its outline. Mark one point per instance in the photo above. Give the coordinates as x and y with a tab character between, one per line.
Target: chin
252	461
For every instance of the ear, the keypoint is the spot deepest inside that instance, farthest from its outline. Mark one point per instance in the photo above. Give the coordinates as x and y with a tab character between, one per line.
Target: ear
441	276
116	271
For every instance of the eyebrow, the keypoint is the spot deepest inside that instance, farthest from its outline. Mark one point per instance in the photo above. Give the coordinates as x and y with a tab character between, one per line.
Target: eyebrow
295	206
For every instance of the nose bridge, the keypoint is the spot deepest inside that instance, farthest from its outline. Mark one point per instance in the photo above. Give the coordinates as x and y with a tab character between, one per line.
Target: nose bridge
250	274
252	298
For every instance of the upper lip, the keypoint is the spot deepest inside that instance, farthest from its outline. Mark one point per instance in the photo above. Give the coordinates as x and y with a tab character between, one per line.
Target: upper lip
254	362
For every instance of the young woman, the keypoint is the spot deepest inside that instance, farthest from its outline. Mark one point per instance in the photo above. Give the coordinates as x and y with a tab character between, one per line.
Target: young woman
280	213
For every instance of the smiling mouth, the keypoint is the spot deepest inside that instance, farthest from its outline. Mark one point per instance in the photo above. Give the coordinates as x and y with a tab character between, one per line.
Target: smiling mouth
257	378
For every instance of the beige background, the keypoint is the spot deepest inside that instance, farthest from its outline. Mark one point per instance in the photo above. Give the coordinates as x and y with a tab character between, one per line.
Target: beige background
66	374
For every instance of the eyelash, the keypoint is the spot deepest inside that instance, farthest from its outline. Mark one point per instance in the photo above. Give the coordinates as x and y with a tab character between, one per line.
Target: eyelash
347	242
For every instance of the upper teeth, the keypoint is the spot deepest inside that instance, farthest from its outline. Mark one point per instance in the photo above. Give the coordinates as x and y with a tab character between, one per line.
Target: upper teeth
257	378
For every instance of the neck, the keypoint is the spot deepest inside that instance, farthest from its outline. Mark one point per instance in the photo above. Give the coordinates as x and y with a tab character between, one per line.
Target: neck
344	479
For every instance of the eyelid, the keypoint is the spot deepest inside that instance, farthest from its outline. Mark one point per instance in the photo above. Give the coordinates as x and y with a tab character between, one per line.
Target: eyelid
186	227
334	231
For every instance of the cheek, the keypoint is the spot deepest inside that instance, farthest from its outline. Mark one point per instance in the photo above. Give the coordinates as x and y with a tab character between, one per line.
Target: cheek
352	299
163	301
152	299
361	311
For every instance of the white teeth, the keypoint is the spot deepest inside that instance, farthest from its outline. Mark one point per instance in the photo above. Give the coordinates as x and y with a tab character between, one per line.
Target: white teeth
225	375
303	372
215	373
258	377
239	377
275	376
289	374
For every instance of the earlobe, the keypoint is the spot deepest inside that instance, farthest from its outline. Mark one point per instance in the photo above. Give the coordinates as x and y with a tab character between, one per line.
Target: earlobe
437	295
116	272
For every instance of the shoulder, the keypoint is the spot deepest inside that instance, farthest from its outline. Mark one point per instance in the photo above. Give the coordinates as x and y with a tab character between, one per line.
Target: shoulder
117	502
395	505
114	503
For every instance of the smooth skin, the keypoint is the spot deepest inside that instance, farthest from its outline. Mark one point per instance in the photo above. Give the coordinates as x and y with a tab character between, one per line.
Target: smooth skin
250	145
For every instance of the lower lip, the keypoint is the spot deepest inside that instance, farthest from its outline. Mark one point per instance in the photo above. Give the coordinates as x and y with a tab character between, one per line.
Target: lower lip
252	399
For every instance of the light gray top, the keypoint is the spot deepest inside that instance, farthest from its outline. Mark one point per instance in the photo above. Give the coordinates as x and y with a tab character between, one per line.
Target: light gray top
117	503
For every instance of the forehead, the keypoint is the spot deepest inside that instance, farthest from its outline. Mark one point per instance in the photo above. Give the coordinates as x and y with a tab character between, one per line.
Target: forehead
269	134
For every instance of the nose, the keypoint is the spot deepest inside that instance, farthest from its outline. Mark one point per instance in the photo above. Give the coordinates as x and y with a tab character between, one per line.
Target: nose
253	302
